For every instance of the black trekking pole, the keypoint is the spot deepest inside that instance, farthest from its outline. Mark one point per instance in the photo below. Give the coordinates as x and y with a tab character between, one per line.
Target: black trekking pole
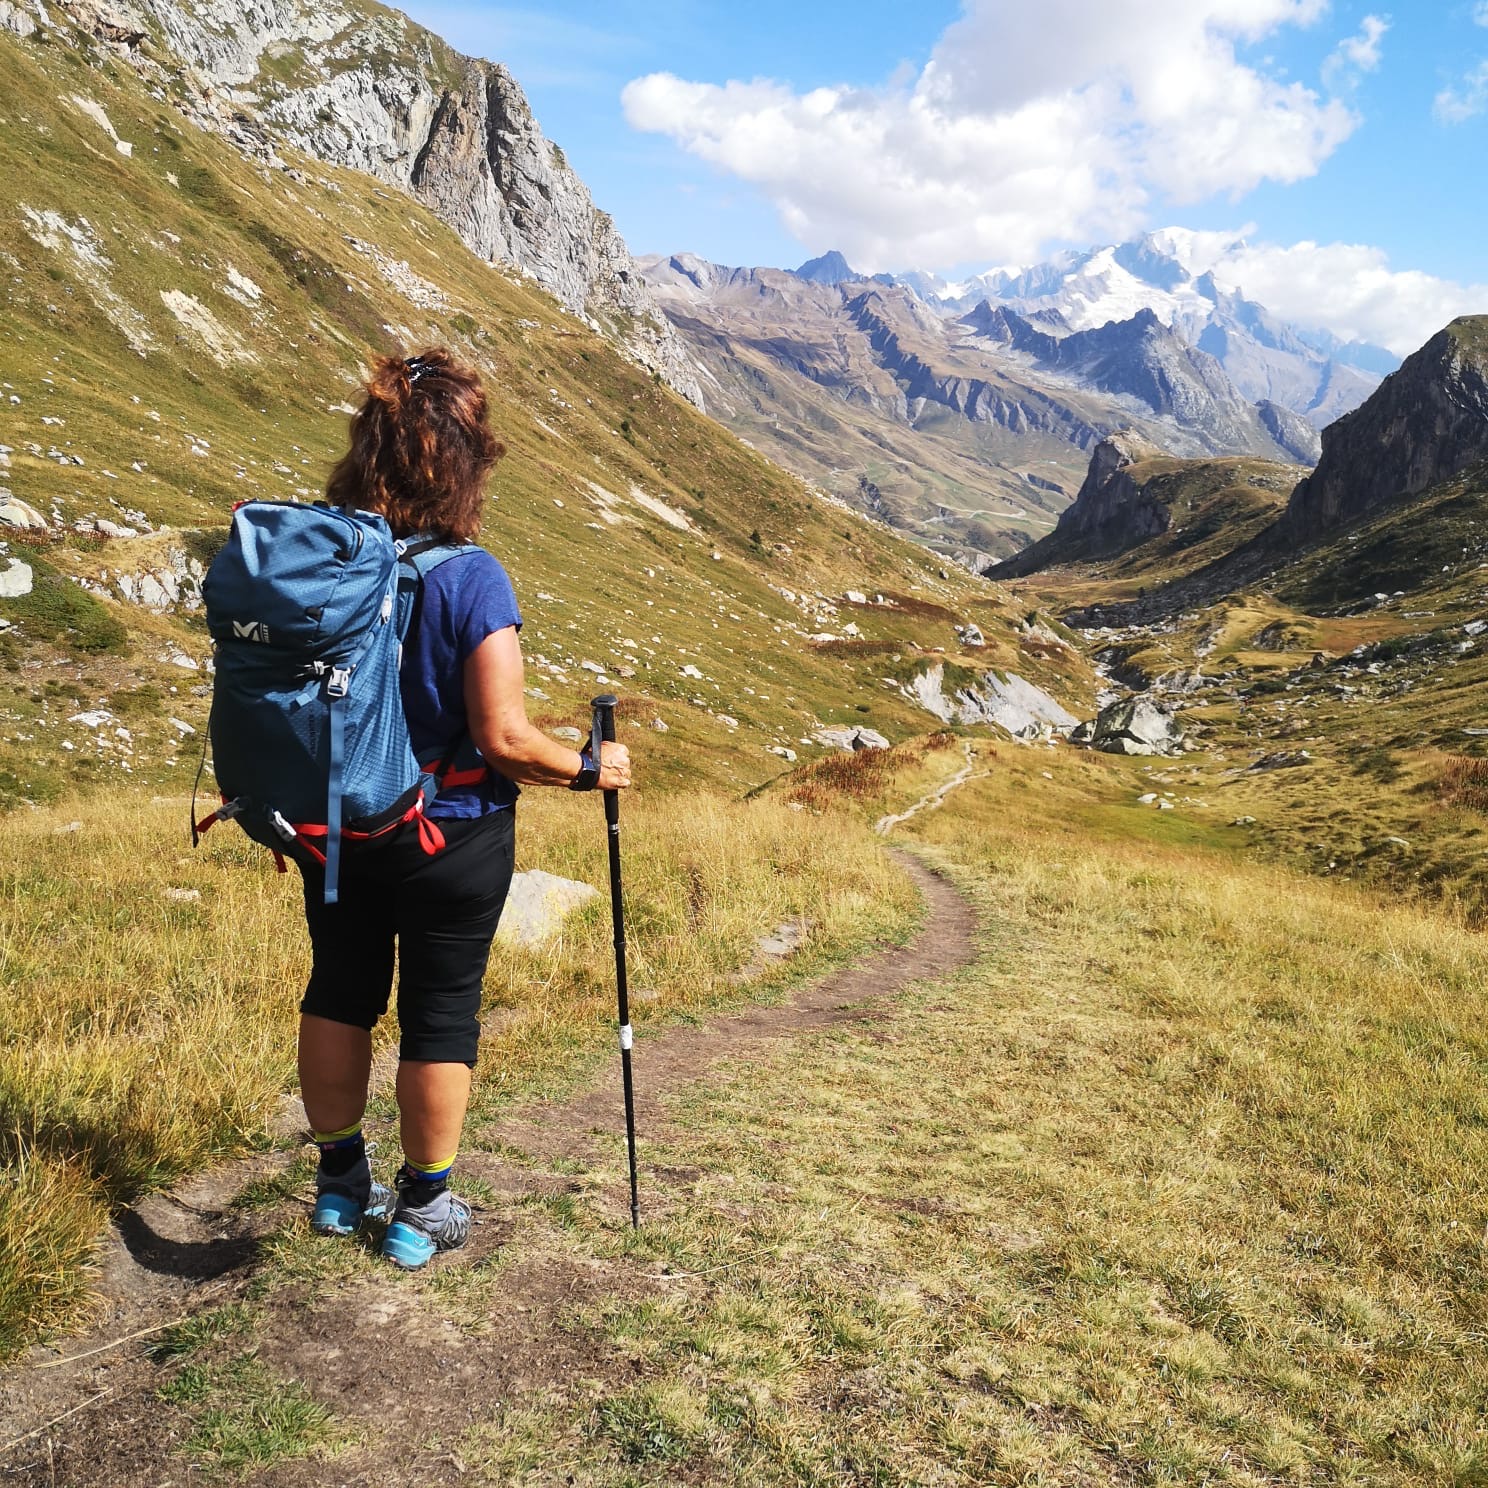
603	731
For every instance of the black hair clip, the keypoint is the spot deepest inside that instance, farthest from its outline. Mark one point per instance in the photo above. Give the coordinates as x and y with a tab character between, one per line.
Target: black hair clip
417	366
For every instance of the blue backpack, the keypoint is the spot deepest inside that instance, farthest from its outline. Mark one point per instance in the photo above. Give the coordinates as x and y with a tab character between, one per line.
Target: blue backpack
308	607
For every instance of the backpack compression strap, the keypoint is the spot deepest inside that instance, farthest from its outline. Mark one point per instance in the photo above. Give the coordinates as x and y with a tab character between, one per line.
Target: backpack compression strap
336	690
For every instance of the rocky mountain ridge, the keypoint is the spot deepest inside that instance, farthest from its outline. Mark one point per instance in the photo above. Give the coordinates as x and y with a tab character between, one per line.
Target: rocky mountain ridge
1140	509
972	431
1310	372
1395	503
354	84
1143	359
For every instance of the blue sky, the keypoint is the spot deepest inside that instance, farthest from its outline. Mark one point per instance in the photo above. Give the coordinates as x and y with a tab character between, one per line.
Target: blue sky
1345	140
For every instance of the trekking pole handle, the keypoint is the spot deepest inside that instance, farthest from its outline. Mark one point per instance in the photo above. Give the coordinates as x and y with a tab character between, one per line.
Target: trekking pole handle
602	730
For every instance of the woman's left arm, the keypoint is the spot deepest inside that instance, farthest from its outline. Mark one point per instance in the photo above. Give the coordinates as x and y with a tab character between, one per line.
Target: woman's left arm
496	706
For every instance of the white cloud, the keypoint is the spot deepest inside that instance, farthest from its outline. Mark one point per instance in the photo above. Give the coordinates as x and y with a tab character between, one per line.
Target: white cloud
1007	140
1356	54
1465	100
1347	288
1480	13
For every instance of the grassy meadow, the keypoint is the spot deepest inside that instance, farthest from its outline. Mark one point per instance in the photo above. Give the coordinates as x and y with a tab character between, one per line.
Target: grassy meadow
1182	1182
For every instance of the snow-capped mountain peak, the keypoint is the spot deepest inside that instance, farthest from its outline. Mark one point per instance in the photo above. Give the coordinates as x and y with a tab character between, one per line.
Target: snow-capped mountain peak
1169	273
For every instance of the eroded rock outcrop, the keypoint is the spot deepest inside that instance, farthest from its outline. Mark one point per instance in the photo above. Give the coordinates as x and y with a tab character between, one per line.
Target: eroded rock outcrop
356	85
1111	513
1425	424
1005	699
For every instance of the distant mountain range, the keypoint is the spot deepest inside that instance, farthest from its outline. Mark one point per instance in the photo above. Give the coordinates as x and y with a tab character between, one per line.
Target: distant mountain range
966	413
1311	372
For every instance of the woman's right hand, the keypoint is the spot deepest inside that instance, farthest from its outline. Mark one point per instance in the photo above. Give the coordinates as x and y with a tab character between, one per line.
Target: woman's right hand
614	766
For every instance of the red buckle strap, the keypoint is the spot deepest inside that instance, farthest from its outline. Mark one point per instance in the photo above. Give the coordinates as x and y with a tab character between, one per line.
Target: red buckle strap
453	778
431	839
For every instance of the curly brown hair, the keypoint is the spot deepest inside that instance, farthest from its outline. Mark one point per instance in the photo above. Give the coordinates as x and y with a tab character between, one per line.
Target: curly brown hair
421	447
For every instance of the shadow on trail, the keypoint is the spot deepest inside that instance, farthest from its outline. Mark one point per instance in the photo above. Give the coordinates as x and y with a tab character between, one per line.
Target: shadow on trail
190	1260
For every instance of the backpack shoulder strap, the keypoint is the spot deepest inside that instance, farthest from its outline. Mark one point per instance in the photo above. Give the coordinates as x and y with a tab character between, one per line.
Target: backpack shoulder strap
418	557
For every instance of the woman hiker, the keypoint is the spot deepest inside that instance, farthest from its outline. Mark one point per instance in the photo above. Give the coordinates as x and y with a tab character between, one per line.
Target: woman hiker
421	452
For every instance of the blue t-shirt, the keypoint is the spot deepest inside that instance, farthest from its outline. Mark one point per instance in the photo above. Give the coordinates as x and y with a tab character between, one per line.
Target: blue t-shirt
465	599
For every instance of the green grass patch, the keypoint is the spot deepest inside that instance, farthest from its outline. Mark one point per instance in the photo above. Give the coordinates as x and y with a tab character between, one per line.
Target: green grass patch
60	612
243	1416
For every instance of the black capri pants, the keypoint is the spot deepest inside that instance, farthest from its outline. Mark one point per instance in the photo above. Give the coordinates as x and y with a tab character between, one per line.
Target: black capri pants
439	911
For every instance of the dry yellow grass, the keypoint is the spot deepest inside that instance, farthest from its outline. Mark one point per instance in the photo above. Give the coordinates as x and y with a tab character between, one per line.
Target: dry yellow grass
1182	1182
142	1034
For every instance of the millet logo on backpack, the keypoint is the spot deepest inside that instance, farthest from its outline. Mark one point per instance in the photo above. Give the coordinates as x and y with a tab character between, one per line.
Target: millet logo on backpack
251	630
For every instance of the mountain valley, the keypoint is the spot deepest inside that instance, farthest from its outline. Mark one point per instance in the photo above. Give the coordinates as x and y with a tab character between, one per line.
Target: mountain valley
1152	628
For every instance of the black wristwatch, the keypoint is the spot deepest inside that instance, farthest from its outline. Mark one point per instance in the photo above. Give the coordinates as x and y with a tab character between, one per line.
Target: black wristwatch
588	776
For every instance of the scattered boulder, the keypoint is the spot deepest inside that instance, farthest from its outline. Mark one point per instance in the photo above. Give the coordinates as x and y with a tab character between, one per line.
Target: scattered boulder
850	739
16	580
568	734
785	939
537	904
1134	725
1180	681
971	635
15	20
17	513
1283	759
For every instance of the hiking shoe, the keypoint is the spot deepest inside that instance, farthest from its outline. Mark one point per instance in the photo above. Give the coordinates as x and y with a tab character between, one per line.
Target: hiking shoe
342	1204
417	1231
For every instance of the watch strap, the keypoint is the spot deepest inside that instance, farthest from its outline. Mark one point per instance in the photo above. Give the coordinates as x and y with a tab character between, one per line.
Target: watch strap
588	777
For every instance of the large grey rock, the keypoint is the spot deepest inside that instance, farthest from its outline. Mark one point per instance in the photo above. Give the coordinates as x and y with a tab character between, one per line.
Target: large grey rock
1005	699
15	580
1133	725
537	905
16	20
17	513
850	740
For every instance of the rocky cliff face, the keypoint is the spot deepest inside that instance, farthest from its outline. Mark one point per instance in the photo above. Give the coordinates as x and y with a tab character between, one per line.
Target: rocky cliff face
1427	422
1111	513
357	85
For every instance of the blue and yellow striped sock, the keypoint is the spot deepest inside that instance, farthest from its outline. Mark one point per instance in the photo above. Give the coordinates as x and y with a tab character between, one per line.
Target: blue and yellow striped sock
340	1151
422	1182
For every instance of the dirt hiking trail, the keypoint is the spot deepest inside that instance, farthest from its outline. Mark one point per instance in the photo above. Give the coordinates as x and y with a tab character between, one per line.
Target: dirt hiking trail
396	1358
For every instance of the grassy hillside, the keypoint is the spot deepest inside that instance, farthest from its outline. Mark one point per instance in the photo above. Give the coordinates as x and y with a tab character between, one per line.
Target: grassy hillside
185	328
